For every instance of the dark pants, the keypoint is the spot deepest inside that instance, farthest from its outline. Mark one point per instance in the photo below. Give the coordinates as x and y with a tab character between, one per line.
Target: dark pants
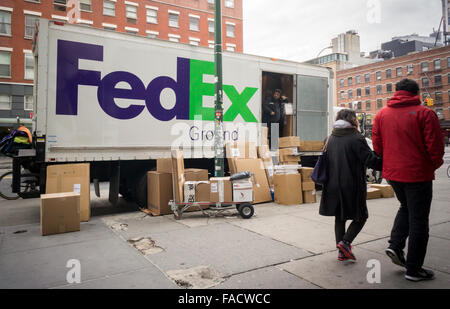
351	233
412	221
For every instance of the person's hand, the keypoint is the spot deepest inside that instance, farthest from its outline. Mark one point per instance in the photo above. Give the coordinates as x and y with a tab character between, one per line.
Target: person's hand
284	97
272	113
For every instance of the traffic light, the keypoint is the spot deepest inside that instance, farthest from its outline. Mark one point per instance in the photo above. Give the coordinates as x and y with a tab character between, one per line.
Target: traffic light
429	101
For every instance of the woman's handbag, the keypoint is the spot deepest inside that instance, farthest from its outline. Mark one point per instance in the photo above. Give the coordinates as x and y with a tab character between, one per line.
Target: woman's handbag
320	172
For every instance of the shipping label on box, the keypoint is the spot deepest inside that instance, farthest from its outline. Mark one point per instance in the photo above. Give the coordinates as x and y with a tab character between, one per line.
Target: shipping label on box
242	191
189	191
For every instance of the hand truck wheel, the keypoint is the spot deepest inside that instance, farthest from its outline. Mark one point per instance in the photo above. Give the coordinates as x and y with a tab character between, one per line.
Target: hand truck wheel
246	210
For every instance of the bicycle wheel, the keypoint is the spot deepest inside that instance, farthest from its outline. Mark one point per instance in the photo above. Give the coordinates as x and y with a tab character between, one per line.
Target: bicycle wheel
6	187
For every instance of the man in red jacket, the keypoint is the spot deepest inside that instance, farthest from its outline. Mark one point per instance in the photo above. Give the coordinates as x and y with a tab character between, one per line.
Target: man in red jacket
409	138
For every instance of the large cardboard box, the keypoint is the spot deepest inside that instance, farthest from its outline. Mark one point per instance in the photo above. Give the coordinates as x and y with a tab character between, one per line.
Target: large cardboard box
71	178
373	193
309	196
164	165
178	174
189	191
195	174
159	192
306	173
288	189
261	189
308	185
221	190
289	155
289	141
202	191
386	190
238	150
60	213
264	135
311	145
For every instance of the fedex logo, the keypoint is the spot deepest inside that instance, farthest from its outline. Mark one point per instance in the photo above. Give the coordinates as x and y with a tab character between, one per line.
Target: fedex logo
188	87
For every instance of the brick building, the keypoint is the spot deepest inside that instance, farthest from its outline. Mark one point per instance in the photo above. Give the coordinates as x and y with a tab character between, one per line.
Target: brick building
367	88
185	21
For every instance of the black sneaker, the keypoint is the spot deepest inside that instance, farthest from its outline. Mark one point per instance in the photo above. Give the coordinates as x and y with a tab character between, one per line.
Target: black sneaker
423	274
397	256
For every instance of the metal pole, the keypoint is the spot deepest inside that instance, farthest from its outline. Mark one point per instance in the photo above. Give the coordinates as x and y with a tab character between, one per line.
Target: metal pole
218	140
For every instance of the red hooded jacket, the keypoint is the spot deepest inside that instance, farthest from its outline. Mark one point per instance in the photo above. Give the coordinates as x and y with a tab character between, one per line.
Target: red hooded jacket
409	138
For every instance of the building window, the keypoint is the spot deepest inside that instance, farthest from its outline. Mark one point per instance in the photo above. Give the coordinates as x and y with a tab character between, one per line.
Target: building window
86	5
389	73
440	113
350	94
152	16
29	66
231	47
341	82
424	66
194	41
173	20
358	92
378	75
410	68
448	78
30	25
438	97
59	5
5	64
194	23
229	3
152	34
379	103
359	105
367	78
109	8
437	64
399	72
211	26
448	62
342	94
350	105
211	44
230	30
368	107
174	38
131	30
425	82
379	89
5	102
5	23
131	13
28	103
438	80
358	79
389	88
449	95
350	81
367	90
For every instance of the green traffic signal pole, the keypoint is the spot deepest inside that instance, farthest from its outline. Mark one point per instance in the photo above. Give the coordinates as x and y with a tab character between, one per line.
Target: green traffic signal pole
218	129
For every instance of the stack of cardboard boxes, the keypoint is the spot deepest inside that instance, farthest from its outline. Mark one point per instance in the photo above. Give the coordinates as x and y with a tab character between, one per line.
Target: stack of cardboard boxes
308	186
67	198
243	157
311	145
288	153
375	191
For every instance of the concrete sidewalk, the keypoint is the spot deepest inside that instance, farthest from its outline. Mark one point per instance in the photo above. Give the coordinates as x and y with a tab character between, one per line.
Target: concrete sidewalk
280	247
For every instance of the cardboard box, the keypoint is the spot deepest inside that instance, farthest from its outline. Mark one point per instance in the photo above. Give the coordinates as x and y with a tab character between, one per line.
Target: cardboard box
287	169
159	193
289	141
264	152
289	162
238	150
308	185
164	165
386	190
195	174
261	189
309	196
373	193
202	191
221	190
289	155
178	174
311	145
242	191
60	213
189	191
264	135
288	189
306	173
71	178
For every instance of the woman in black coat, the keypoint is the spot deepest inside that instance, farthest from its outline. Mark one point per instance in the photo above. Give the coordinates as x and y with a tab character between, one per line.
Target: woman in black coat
344	195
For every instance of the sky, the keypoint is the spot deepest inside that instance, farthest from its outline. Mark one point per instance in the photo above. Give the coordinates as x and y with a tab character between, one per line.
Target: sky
299	29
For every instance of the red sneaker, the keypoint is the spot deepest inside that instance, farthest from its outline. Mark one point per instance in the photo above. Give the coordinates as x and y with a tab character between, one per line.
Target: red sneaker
346	250
341	256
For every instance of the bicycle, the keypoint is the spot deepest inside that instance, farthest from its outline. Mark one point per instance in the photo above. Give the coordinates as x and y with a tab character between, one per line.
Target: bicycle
29	184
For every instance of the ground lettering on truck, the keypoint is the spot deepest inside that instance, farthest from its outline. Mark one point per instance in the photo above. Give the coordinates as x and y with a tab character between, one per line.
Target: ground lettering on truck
189	88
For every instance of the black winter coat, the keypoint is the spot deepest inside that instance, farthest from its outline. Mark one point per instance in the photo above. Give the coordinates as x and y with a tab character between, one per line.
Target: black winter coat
272	105
348	156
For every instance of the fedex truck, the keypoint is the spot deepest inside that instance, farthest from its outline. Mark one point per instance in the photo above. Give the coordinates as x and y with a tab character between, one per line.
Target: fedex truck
121	101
